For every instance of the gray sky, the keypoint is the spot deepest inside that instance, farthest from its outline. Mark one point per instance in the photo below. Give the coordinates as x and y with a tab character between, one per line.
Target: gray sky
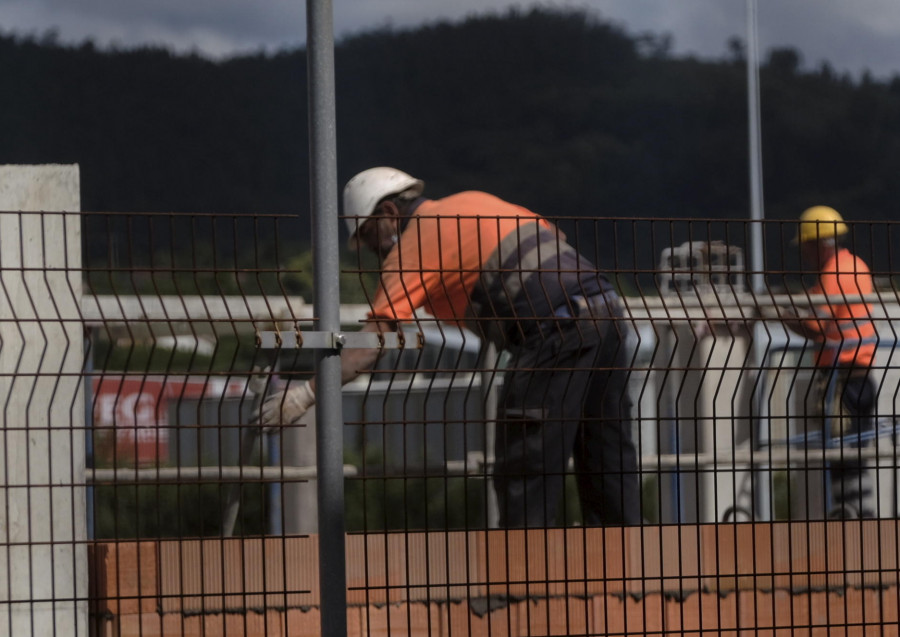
851	34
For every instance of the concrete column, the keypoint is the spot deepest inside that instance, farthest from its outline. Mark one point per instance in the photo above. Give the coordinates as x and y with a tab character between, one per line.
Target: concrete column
43	557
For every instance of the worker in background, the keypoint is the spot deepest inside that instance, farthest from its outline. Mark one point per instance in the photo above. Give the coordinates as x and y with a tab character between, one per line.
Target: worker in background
845	336
509	275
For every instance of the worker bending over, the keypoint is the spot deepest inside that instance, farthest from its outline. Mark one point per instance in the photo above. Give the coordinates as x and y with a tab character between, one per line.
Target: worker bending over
510	276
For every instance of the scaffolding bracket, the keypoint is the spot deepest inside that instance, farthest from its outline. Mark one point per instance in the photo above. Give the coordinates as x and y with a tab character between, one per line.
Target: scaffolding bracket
337	340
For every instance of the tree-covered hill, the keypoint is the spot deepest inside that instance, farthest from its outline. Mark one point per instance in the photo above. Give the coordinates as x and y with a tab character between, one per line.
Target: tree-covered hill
556	110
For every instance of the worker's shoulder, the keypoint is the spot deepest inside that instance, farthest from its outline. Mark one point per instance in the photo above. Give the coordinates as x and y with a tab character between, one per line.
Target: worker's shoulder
479	202
845	259
470	195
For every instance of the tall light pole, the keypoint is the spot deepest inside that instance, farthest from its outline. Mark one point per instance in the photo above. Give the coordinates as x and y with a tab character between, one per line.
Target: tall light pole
756	187
759	499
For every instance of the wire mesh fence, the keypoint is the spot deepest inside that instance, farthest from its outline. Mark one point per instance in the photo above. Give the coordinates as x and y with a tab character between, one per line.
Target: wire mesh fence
617	434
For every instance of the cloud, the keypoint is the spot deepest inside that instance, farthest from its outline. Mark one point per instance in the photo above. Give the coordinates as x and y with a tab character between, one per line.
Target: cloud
841	33
851	35
212	27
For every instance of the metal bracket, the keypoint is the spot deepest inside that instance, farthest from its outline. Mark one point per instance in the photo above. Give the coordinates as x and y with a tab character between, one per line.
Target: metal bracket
336	340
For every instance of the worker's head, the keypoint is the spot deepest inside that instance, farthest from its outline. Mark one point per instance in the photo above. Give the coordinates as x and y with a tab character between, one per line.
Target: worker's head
820	227
820	223
372	203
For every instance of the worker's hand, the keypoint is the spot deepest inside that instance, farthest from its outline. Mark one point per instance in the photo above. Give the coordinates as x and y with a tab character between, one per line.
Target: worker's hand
286	407
259	381
788	314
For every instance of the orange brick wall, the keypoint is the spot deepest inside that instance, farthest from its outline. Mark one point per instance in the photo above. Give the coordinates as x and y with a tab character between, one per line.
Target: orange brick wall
852	612
785	578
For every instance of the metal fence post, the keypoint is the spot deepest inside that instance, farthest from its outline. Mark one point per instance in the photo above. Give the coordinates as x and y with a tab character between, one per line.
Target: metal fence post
489	374
329	419
43	552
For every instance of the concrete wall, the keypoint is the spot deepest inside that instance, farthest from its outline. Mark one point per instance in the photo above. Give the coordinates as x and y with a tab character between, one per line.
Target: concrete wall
43	560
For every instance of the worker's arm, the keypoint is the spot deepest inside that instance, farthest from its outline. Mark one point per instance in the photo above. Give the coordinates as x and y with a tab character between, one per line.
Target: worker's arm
808	327
288	405
355	361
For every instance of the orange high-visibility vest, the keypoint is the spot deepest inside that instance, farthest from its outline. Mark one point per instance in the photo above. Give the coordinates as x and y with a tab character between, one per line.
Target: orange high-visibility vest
472	257
846	331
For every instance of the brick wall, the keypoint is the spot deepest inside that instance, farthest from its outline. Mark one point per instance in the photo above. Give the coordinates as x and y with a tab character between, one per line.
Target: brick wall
782	578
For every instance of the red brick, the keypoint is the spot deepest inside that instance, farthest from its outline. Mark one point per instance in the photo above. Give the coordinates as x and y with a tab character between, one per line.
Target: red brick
251	624
458	620
607	555
376	568
553	617
126	578
696	614
607	615
156	625
733	556
516	562
653	613
439	566
890	606
663	558
181	625
501	559
416	619
640	615
299	623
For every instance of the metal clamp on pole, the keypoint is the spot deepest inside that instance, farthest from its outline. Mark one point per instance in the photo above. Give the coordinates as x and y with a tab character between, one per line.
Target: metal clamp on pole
337	340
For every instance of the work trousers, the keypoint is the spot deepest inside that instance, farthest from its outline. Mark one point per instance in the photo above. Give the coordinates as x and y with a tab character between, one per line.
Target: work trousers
565	396
846	407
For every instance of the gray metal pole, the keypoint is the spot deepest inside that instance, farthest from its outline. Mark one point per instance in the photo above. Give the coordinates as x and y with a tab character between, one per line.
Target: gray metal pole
329	417
756	187
490	398
760	500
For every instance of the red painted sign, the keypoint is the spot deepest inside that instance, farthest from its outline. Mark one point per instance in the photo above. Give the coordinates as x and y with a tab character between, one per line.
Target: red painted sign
131	412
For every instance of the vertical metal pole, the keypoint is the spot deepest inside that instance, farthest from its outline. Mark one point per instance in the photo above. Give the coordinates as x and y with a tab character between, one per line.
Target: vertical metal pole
274	457
761	499
490	400
90	340
329	417
756	188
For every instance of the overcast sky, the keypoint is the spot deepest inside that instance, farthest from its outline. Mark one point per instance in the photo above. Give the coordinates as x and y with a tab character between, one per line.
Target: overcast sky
851	34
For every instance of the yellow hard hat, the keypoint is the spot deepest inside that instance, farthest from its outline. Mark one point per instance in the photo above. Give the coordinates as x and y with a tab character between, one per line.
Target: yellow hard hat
820	222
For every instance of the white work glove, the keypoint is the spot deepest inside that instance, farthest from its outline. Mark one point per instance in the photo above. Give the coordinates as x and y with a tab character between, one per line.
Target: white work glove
287	406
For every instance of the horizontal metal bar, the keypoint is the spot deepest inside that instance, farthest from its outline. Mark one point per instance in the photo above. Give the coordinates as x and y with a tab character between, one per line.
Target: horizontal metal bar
339	340
204	474
770	457
745	306
814	438
158	315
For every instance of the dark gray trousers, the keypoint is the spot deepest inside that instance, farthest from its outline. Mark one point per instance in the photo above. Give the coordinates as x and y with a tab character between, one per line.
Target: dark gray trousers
565	396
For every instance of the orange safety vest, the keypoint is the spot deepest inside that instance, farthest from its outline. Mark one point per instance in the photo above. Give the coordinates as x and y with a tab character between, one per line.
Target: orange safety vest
846	330
474	259
438	258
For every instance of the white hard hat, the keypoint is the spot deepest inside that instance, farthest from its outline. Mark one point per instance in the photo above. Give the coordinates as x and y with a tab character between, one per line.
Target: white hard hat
363	192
